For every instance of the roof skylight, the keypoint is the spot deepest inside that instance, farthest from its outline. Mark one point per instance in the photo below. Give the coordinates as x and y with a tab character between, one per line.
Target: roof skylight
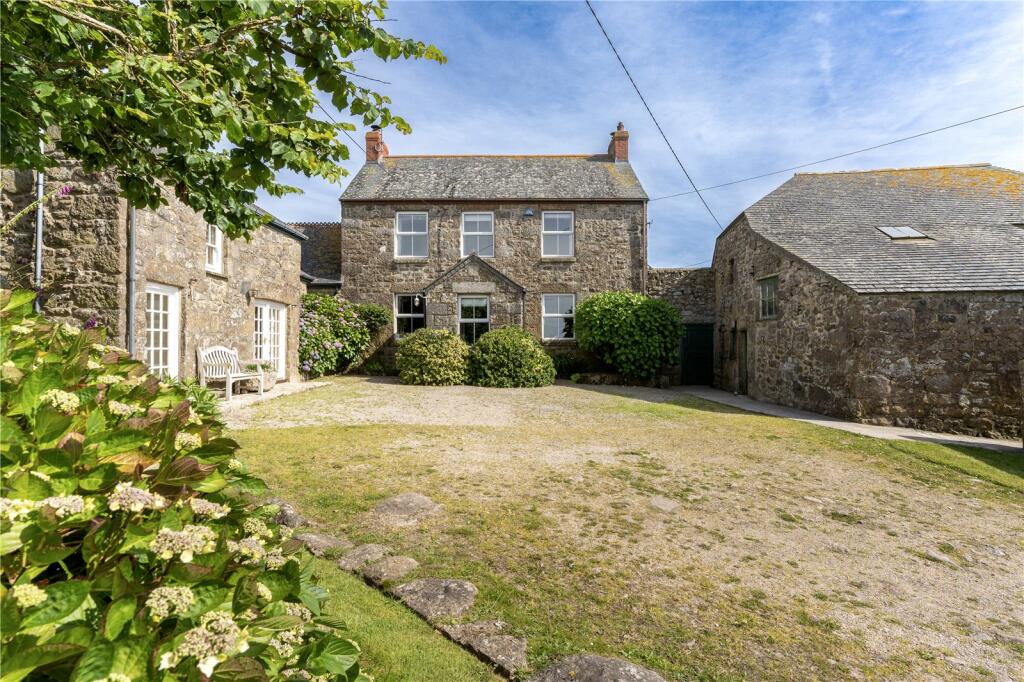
902	233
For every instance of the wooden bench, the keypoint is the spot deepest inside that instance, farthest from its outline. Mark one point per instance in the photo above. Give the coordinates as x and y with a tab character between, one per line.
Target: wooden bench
218	363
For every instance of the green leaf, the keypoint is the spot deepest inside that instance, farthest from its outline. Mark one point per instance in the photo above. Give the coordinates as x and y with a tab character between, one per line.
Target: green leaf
19	298
50	426
10	540
332	655
276	623
23	655
239	669
127	656
62	599
118	615
212	483
115	442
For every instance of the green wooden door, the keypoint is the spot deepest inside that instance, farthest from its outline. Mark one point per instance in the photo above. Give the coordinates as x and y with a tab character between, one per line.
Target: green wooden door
697	354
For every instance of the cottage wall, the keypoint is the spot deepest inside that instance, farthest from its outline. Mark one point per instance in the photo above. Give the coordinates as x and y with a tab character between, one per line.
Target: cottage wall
610	250
83	245
217	309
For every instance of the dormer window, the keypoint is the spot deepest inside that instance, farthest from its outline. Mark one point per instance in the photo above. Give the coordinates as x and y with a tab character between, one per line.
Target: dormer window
902	233
214	250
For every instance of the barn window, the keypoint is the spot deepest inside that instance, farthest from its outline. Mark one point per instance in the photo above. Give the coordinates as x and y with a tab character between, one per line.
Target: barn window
768	290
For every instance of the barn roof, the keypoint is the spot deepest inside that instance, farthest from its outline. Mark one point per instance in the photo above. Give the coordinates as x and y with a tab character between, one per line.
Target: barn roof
971	219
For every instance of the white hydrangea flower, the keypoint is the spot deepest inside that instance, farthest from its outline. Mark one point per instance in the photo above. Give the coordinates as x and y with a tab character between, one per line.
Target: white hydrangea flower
187	441
235	465
276	559
120	409
251	549
254	526
21	329
286	641
15	509
129	498
207	509
263	592
27	595
64	505
40	475
93	365
210	643
70	329
166	601
62	400
116	677
186	543
298	610
109	379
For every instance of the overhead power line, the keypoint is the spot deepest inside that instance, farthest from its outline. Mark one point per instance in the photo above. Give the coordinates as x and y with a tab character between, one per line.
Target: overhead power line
340	128
840	156
653	117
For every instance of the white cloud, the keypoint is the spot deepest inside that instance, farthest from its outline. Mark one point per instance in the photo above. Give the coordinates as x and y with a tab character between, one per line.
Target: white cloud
740	89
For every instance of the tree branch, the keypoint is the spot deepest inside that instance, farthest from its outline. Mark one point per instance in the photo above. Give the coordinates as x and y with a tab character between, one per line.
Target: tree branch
85	19
223	37
172	25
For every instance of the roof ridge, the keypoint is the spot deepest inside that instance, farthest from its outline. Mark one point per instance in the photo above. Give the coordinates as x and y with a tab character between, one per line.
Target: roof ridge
898	169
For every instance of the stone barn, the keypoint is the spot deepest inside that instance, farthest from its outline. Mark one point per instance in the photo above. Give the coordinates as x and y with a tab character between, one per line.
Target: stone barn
891	296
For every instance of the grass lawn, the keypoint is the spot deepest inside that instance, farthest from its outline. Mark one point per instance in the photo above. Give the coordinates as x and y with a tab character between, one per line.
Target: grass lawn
701	541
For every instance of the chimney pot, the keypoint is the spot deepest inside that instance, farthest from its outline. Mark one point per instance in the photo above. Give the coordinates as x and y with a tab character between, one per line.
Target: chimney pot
376	150
618	148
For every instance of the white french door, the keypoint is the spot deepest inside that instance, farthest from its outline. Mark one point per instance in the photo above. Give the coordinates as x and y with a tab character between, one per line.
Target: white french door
163	329
269	335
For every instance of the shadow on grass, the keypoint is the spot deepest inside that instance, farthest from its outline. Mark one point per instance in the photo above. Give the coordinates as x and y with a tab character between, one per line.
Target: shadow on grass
660	396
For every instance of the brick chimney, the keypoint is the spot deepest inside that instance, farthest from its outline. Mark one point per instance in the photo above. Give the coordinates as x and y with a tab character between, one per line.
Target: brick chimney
618	148
376	150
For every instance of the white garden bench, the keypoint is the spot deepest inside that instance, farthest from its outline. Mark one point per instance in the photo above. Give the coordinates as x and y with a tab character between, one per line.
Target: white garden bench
218	363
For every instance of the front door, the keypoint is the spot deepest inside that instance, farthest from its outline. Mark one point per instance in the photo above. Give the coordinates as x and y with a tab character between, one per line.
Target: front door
741	384
697	354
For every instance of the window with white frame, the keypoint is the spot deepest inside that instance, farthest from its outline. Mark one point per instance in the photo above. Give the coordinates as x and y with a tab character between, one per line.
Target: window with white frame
768	292
163	328
214	249
558	316
478	234
474	317
557	234
270	324
411	235
410	313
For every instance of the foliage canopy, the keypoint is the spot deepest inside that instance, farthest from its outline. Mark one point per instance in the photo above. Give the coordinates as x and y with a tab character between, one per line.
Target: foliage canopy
131	544
633	333
152	88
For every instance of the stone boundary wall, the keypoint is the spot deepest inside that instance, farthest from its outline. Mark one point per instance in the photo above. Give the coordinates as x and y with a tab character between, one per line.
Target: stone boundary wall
690	290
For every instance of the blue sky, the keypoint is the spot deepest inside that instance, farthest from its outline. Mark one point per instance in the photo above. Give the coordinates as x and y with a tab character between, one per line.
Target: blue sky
740	89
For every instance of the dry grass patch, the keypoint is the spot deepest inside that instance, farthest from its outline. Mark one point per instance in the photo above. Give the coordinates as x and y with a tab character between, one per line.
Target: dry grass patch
787	551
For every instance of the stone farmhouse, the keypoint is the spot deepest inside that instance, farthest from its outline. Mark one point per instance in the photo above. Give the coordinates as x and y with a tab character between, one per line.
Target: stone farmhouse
891	296
163	282
467	243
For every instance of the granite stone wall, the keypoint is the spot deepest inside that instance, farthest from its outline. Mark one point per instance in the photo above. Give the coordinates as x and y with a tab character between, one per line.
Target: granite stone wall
85	271
83	238
609	251
321	252
217	308
690	290
936	361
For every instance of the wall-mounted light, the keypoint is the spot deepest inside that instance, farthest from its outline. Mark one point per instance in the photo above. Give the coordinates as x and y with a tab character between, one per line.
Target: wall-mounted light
416	301
528	213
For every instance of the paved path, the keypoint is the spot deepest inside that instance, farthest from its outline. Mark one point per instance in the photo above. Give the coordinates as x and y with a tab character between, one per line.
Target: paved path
240	400
887	432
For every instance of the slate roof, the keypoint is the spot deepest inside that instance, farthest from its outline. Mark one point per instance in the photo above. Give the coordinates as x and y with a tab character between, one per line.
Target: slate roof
477	260
973	217
580	177
276	223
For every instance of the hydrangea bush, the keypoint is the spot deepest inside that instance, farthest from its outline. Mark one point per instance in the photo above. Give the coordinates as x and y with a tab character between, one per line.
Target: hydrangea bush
331	334
131	547
632	333
432	357
509	357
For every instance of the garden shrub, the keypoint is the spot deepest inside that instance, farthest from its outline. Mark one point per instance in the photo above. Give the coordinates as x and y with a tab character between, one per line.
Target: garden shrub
572	361
130	547
509	357
375	316
636	335
331	334
432	357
